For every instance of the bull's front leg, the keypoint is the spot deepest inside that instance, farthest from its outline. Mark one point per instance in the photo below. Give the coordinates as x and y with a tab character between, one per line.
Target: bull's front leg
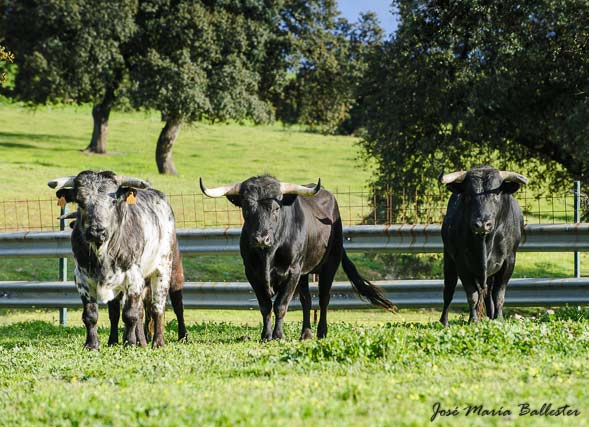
262	290
132	309
282	302
160	285
87	292
90	319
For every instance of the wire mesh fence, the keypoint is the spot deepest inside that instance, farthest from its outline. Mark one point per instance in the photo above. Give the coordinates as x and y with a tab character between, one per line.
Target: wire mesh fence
194	210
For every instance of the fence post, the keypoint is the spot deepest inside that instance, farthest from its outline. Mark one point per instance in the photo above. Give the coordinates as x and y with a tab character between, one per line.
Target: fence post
577	219
62	270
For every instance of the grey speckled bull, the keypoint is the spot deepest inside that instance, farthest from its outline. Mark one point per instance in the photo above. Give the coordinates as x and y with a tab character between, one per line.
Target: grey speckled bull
481	231
124	244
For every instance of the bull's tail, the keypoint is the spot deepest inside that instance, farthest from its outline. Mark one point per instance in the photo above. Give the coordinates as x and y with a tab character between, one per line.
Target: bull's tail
364	288
481	302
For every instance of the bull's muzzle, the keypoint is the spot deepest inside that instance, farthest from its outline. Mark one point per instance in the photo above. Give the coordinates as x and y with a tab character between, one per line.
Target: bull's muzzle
262	241
482	227
96	235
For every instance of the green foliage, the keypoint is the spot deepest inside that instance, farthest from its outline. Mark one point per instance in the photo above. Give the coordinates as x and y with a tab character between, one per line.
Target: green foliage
6	57
402	342
477	82
67	51
328	59
195	60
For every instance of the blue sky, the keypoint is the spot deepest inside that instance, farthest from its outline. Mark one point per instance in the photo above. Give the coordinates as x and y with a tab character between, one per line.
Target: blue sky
350	9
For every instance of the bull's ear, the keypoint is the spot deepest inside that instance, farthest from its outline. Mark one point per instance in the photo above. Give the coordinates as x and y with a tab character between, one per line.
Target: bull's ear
509	187
456	187
127	194
288	199
235	199
67	193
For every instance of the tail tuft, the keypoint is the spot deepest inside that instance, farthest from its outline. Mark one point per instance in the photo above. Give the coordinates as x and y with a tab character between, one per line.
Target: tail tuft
481	302
364	288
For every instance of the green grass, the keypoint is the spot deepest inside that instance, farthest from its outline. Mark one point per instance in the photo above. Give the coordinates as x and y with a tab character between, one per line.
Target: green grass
374	369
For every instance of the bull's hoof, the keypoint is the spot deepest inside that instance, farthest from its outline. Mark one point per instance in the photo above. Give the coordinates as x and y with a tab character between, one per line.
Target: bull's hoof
112	343
321	333
91	346
306	334
266	337
277	335
158	343
183	339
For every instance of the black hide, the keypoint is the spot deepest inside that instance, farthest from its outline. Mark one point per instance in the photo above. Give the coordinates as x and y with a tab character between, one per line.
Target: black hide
481	231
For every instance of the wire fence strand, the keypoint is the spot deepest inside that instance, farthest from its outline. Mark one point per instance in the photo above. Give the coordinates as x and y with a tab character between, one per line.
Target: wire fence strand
193	210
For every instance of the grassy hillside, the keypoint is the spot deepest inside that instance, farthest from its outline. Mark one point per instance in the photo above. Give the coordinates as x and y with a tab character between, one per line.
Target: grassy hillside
41	144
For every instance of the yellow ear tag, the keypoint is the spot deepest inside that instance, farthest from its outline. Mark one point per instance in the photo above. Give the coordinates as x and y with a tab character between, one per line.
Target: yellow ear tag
61	202
131	200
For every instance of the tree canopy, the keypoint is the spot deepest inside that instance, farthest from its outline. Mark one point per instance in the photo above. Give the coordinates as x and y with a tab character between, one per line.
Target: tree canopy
474	82
70	52
199	60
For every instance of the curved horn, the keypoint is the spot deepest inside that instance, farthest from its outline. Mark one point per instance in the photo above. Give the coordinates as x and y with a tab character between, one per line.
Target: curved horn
66	181
513	177
127	181
224	190
301	190
69	215
449	178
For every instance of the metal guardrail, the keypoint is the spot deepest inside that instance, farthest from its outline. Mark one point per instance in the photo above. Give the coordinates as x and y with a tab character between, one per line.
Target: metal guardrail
396	238
404	293
360	238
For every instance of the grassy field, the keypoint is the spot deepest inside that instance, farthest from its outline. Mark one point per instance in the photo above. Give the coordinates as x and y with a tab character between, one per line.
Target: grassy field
373	369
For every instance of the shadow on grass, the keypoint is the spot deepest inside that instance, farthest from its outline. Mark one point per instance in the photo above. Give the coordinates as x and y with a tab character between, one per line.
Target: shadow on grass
41	137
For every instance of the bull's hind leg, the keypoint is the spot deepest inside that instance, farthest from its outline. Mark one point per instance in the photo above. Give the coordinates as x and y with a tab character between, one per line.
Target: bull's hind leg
114	314
306	302
178	306
326	276
472	296
282	302
489	302
450	280
500	280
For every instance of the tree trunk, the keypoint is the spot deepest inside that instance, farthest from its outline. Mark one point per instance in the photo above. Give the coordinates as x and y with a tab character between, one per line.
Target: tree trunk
100	114
163	152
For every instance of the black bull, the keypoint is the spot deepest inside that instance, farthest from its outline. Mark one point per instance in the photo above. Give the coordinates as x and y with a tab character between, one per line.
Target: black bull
481	231
289	232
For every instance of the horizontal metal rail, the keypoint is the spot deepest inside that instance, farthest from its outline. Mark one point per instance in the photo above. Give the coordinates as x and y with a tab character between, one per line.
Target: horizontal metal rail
403	293
360	238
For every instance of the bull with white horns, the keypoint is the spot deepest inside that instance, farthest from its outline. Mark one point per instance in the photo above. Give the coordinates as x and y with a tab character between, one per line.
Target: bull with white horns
125	248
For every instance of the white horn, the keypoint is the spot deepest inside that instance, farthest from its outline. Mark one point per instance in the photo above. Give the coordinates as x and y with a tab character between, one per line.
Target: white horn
513	177
66	181
224	190
449	178
127	181
301	190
